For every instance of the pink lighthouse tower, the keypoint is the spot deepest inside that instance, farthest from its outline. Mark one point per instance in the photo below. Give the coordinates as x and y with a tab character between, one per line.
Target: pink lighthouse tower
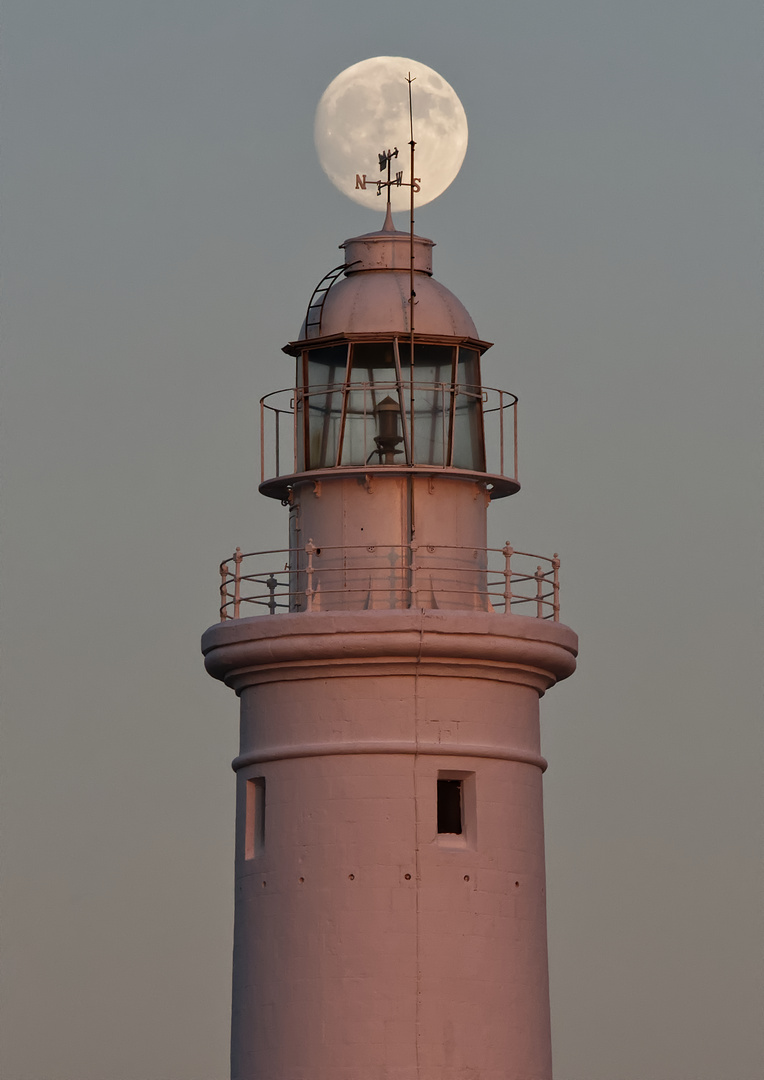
390	917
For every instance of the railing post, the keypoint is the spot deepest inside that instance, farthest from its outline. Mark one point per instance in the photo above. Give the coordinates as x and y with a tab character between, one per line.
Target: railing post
507	551
223	591
556	568
296	404
514	447
277	426
271	582
413	548
237	557
262	440
539	576
310	550
501	432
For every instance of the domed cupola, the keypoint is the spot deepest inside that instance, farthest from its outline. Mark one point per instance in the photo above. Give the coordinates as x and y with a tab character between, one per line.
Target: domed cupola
374	295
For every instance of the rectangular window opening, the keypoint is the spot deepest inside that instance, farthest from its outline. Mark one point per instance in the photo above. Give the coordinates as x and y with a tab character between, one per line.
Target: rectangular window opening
450	806
254	833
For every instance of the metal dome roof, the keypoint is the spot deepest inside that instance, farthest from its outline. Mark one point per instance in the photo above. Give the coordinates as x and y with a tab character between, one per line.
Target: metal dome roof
373	297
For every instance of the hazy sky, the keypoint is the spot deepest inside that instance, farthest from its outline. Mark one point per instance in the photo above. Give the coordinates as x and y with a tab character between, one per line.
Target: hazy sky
164	221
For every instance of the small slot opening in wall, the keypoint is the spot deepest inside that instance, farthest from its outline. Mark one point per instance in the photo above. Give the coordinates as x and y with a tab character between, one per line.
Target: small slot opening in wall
450	806
254	833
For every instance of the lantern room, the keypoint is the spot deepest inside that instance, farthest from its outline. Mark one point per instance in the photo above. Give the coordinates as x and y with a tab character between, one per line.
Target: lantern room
361	403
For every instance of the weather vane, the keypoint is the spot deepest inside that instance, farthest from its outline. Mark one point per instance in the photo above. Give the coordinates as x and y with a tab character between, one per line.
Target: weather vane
362	179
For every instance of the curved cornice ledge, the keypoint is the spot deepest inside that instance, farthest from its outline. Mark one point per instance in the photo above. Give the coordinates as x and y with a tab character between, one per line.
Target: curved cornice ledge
266	648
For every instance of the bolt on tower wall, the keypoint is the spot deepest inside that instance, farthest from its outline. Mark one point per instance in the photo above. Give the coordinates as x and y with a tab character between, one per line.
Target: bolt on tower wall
390	917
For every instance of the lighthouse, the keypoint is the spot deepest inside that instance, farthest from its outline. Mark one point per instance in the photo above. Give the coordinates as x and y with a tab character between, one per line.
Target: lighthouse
390	913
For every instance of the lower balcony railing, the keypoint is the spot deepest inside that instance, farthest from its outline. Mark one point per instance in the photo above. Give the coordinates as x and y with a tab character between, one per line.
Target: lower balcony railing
356	578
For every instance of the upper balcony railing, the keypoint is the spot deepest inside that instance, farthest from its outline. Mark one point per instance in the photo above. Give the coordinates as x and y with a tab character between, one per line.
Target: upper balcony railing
364	425
357	578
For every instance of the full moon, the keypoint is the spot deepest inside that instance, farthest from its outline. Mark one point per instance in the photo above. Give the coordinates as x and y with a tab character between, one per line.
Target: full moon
365	112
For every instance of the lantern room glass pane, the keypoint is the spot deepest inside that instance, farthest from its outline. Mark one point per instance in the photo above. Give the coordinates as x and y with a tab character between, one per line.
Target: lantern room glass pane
324	375
433	380
371	381
469	446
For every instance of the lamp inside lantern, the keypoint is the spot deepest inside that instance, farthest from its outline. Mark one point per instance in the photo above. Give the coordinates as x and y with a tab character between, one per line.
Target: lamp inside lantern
388	415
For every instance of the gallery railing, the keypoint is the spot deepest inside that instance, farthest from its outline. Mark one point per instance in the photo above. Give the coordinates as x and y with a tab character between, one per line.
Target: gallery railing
313	578
453	425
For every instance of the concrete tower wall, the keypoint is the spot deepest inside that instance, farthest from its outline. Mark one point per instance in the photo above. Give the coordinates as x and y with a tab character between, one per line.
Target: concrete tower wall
362	526
368	945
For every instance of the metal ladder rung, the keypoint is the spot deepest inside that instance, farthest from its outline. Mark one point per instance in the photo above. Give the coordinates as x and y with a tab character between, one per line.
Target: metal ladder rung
321	291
